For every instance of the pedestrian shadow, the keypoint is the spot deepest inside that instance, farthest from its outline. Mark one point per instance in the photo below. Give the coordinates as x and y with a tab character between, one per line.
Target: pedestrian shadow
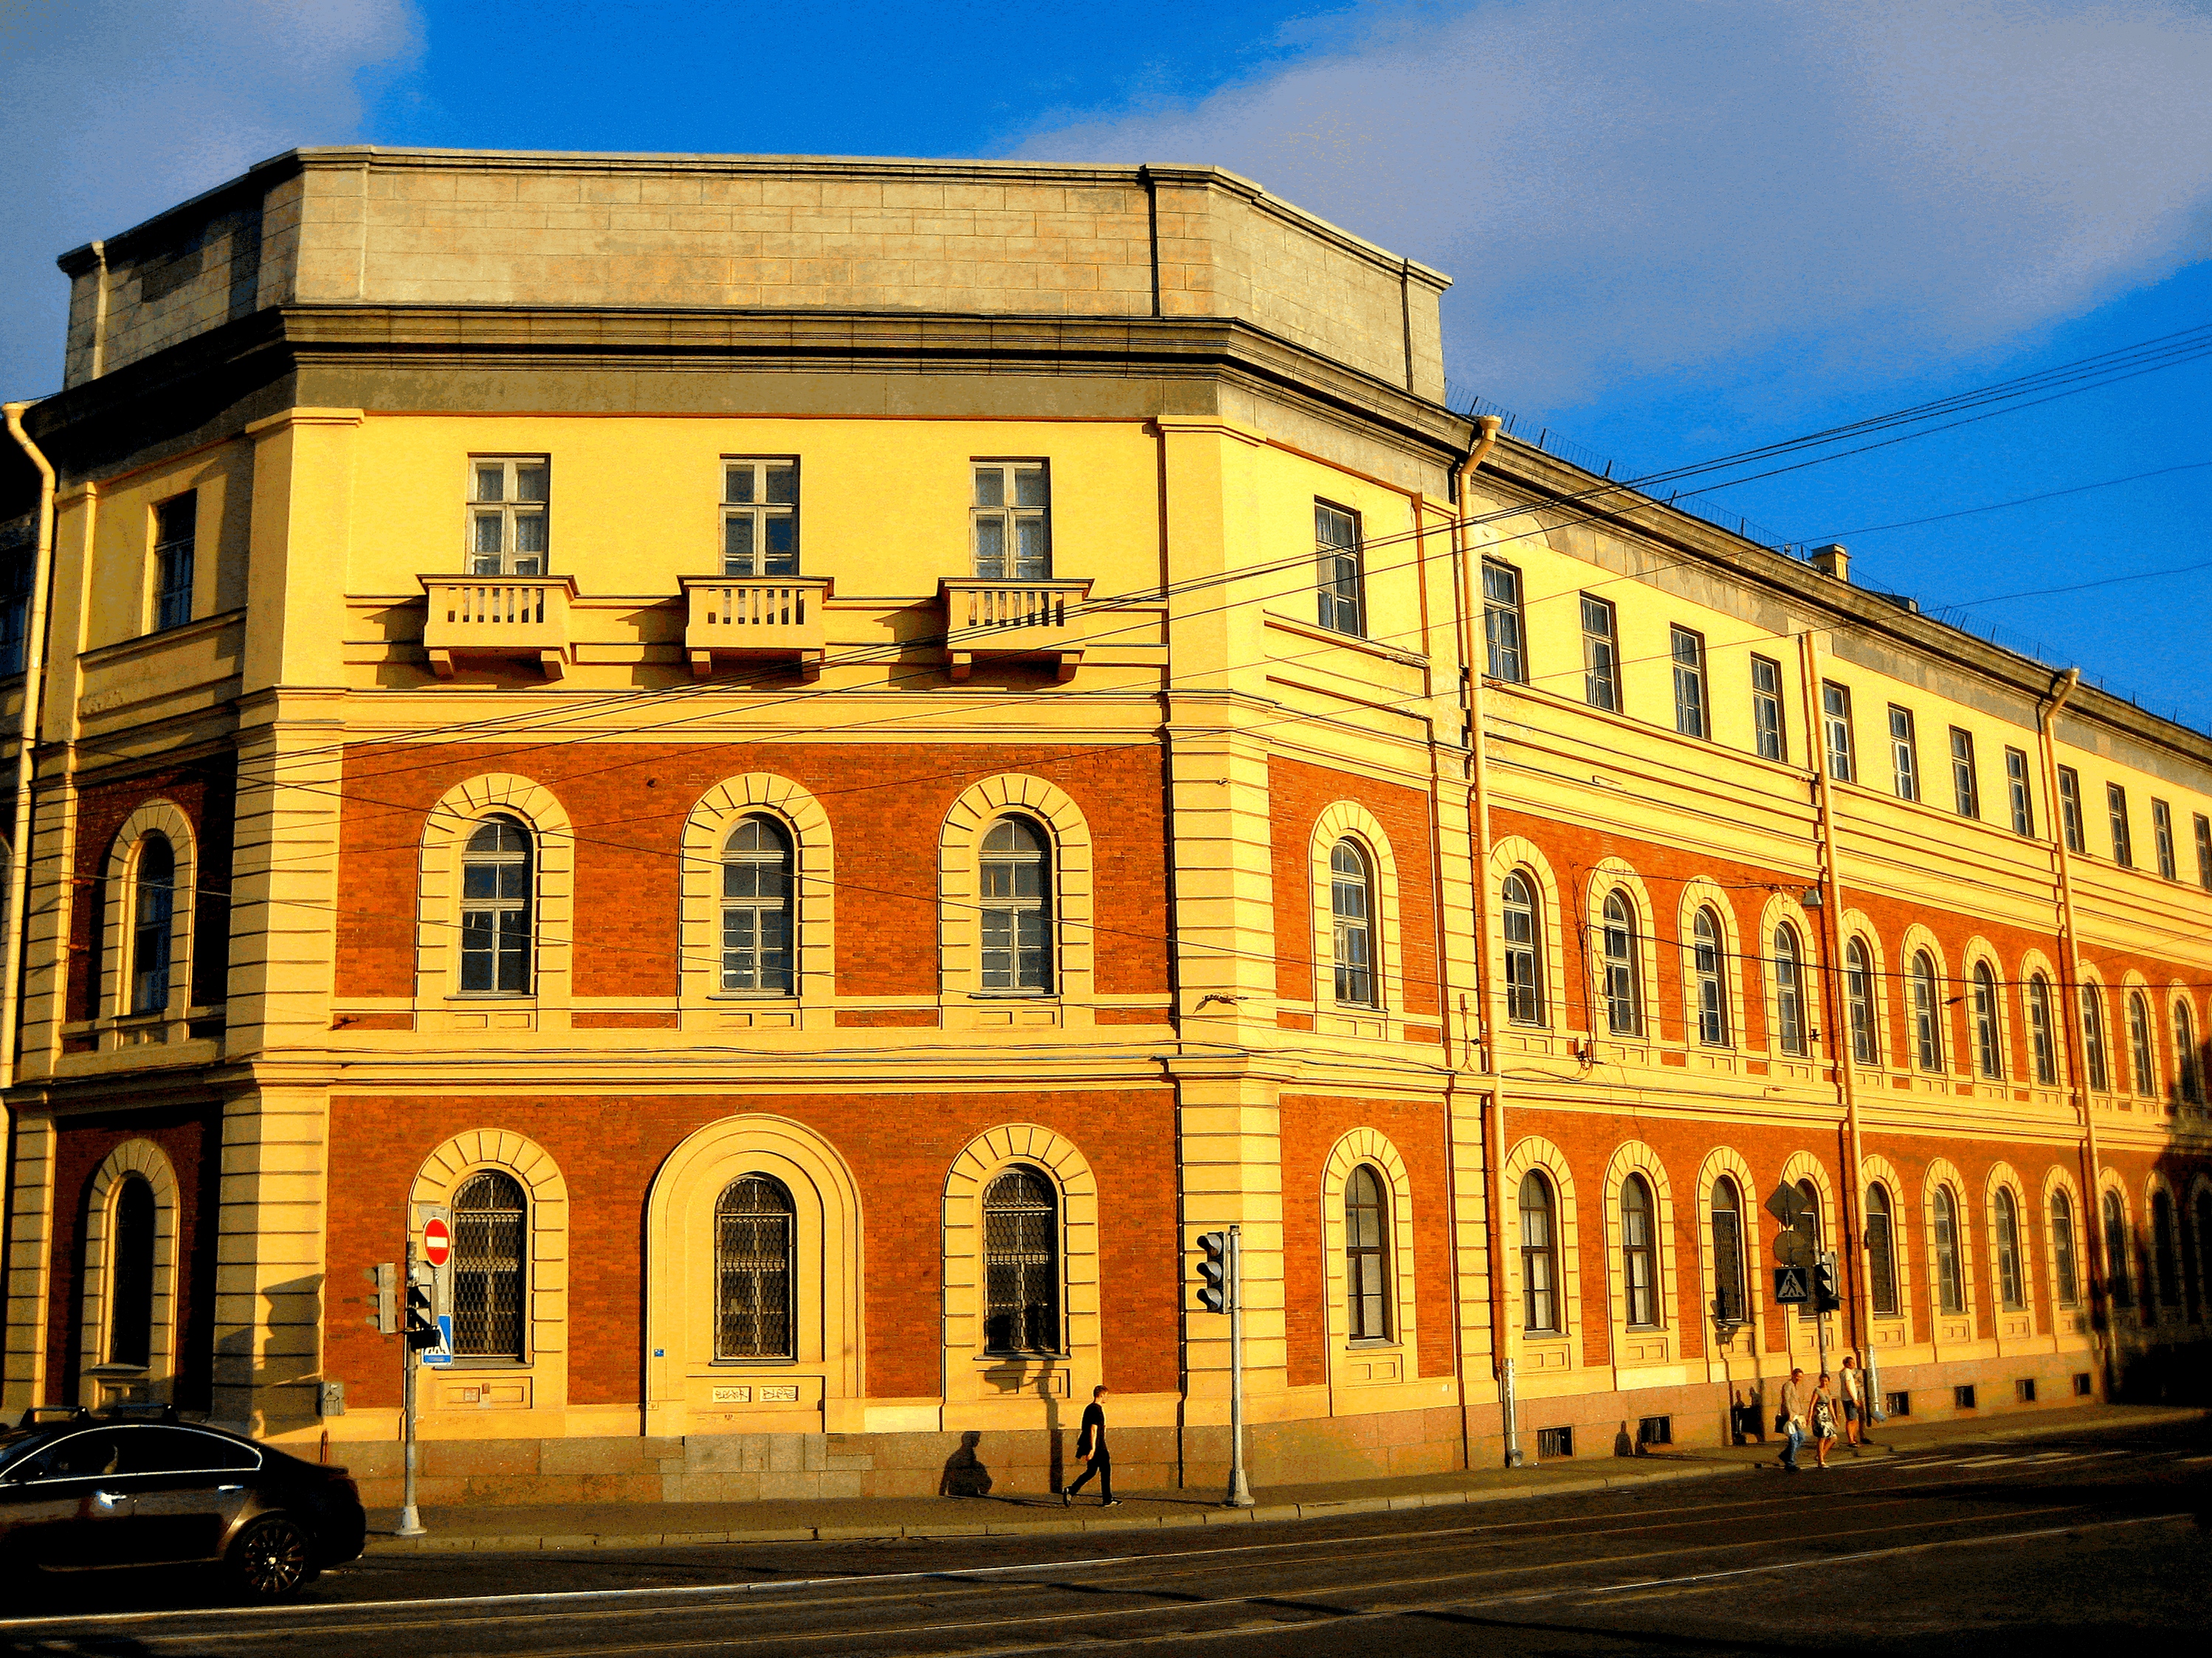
965	1474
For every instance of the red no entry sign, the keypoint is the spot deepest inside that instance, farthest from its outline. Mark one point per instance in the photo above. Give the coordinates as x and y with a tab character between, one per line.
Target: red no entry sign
437	1242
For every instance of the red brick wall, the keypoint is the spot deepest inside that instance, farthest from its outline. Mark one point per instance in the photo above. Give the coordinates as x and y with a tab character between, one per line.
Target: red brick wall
1312	1127
192	1139
899	1147
1298	794
203	791
628	803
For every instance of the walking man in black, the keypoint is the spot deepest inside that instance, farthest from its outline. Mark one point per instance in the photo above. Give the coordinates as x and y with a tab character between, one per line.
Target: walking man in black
1092	1443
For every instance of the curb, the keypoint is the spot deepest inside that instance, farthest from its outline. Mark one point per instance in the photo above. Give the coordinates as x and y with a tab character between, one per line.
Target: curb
1266	1513
2152	1416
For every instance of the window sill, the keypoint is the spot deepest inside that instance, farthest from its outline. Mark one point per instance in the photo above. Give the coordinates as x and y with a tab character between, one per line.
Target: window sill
1373	1345
473	1363
753	1363
477	997
755	999
1000	1360
1012	996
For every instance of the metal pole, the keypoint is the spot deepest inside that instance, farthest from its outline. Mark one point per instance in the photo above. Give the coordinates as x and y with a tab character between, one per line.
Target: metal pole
1512	1430
1240	1494
411	1520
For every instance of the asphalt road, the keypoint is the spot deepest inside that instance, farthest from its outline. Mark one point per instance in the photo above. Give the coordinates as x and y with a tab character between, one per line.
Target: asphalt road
2007	1548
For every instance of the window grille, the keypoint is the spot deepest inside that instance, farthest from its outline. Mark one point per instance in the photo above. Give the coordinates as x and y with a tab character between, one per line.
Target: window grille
1339	588
1524	982
754	1229
1789	992
2024	1389
1962	1397
509	499
1017	931
760	518
1350	906
1503	632
2010	1291
1688	650
1366	1256
1021	1264
1989	1047
1767	729
1013	519
1540	1304
176	533
1950	1288
1601	656
2042	1036
1623	993
2061	1249
1554	1442
1654	1430
1639	1279
1881	1254
1858	995
1729	1301
756	900
154	898
1898	1404
130	1275
487	1270
496	895
1712	989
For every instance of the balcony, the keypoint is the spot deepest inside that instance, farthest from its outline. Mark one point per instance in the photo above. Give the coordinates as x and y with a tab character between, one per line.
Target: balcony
755	618
498	619
986	619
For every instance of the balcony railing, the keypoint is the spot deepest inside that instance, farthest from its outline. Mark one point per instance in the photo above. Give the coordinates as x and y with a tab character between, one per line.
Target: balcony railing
986	619
755	618
498	618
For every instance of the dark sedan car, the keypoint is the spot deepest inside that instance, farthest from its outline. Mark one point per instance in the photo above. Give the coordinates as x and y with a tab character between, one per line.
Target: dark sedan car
92	1493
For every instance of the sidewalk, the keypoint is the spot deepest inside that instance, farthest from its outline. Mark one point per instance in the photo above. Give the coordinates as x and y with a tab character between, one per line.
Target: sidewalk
1896	1436
650	1524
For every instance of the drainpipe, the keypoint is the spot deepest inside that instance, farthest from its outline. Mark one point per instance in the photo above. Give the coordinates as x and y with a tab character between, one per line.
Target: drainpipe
1485	980
99	310
35	679
2068	1015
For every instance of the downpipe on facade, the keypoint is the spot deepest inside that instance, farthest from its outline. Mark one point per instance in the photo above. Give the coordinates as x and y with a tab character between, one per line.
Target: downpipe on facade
34	677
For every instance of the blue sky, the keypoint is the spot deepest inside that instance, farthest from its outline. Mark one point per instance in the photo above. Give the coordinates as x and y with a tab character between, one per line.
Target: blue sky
1678	229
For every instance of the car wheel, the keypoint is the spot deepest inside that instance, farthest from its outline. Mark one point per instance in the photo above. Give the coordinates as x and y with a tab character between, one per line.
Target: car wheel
272	1559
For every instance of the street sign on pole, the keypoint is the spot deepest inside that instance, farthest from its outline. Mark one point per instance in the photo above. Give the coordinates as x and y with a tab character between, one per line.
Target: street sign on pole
437	1241
1786	1203
1240	1493
1790	1284
1793	1249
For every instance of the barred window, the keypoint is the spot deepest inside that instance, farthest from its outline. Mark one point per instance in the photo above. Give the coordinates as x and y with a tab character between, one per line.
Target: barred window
1350	901
130	1274
487	1270
1881	1254
496	893
1789	992
153	906
1639	1275
1021	1264
1017	917
1366	1256
1712	989
1950	1285
1540	1260
757	920
2062	1249
1623	990
1728	1302
1525	961
754	1236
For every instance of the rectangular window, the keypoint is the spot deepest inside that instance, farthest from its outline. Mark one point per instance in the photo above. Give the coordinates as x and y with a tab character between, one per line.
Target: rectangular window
1601	656
1336	575
2204	852
1555	1441
2024	1390
176	528
760	517
1688	650
1903	753
509	496
2161	824
1654	1430
1766	709
2083	1386
1962	1397
1965	787
15	611
2023	802
2069	807
1897	1404
2116	808
1012	521
1502	628
1836	729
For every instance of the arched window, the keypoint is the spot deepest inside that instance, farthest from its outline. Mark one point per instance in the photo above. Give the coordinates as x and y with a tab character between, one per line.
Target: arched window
1705	974
1366	1256
2042	1034
1927	1014
153	910
1881	1253
1640	1276
2142	1058
1351	894
1858	995
1789	992
1021	1264
130	1274
1540	1257
2116	1251
2188	1065
496	893
1728	1302
1950	1282
2092	1039
2010	1290
2166	1259
1989	1049
1017	917
756	923
754	1227
1623	988
1524	960
2062	1249
486	1269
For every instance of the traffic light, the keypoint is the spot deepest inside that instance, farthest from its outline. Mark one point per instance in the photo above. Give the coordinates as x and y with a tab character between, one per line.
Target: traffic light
422	1324
1213	1288
1826	1297
383	1305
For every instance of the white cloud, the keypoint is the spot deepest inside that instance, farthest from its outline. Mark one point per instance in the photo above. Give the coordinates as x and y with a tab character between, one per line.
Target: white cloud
116	109
1625	191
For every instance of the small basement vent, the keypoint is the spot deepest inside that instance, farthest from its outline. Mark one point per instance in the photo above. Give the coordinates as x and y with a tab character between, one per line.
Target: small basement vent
2026	1389
1897	1404
2084	1386
1655	1430
1962	1397
1555	1441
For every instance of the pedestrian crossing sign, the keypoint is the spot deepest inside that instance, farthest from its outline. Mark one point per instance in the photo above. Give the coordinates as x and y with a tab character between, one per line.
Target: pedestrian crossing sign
1790	1284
